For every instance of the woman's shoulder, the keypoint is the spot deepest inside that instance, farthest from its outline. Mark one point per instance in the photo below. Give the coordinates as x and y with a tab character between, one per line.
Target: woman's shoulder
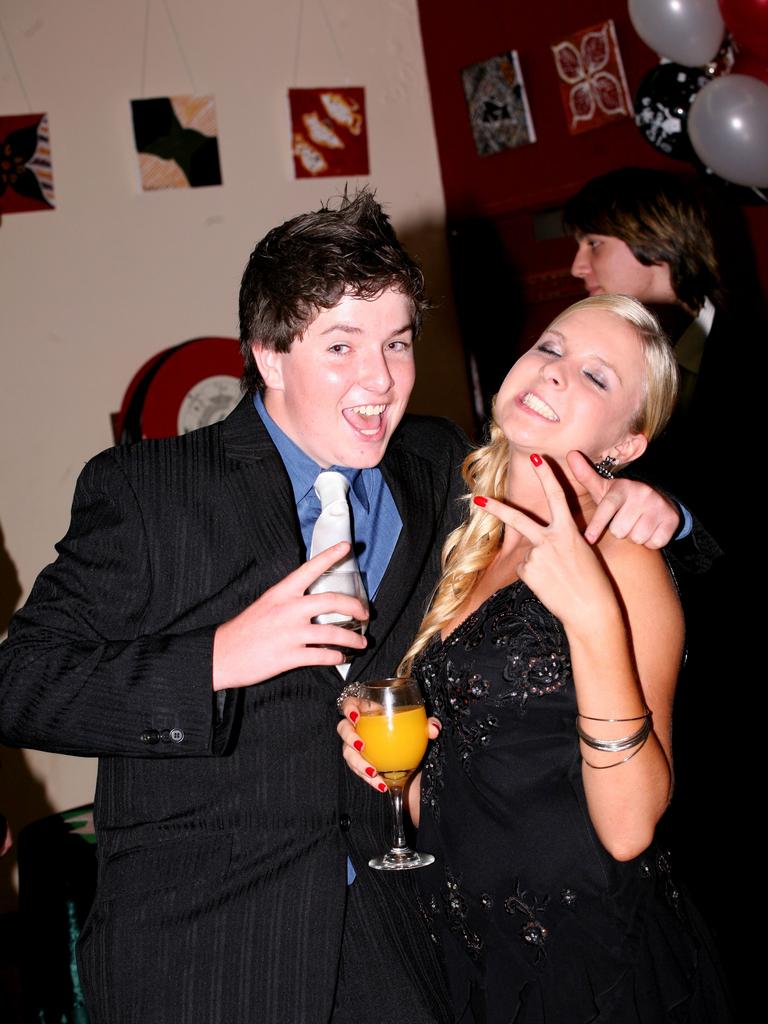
639	573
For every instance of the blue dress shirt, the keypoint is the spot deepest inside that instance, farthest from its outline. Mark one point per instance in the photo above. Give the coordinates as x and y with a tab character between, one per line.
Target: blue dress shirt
376	521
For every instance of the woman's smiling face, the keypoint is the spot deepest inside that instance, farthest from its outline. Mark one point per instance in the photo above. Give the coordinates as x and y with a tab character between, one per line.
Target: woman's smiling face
578	388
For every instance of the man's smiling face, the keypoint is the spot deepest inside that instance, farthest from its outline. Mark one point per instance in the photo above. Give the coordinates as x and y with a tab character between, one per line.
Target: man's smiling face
342	389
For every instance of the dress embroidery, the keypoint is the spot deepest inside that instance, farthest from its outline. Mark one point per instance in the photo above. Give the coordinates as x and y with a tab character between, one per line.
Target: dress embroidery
428	909
455	906
568	897
533	931
455	692
663	872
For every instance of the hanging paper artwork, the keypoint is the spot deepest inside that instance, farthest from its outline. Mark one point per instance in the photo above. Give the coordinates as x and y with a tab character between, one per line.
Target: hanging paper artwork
176	139
329	133
593	87
26	173
498	104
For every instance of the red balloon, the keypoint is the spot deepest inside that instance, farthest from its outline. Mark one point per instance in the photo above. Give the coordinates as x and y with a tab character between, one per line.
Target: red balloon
751	64
747	21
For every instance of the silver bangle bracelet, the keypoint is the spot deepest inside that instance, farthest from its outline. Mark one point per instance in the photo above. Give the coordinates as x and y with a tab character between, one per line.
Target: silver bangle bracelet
615	764
618	745
635	718
350	690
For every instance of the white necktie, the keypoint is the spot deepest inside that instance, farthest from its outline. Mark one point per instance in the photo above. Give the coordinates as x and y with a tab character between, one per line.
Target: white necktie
333	525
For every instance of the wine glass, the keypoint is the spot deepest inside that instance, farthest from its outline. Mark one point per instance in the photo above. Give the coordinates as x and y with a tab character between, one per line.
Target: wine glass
393	726
341	581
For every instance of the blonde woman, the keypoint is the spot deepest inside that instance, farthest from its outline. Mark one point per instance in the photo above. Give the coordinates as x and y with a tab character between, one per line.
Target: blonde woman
552	665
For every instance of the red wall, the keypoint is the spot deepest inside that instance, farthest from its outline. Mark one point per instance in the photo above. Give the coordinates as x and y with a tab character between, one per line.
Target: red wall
490	200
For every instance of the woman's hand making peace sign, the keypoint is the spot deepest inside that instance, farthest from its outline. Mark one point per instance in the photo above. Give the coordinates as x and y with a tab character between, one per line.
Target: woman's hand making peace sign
561	569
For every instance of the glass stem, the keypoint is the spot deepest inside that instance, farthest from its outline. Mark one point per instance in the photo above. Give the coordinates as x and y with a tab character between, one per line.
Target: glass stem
396	792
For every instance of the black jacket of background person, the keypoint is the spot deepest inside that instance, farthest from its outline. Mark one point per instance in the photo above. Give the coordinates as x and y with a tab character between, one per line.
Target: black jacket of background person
224	821
696	448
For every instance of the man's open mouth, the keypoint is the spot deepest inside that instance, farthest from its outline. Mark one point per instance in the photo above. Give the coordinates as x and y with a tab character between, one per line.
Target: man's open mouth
366	419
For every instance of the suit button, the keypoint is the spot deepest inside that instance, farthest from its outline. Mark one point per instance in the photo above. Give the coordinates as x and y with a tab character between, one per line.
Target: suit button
150	736
345	823
165	735
177	735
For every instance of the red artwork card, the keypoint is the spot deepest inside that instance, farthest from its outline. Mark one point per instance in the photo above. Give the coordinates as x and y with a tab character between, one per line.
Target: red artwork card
26	172
593	87
329	134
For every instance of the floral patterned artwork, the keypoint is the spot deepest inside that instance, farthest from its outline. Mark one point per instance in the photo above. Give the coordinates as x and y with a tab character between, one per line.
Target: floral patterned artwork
26	172
328	132
176	139
498	104
593	86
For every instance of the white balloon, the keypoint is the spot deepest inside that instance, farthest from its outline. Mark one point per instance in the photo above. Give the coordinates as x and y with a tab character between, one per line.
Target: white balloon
687	32
728	128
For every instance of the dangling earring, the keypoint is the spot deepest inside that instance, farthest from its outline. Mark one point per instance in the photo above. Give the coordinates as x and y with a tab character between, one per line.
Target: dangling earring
604	467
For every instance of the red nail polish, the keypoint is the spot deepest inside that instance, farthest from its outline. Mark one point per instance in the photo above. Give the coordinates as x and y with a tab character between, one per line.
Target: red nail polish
382	787
353	716
480	500
358	744
536	459
370	772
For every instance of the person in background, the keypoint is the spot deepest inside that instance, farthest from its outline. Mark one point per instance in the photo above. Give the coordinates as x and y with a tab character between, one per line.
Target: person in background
645	233
652	235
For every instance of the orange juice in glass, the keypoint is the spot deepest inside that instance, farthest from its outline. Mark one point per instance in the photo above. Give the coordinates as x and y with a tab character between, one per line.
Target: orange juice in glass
394	743
393	727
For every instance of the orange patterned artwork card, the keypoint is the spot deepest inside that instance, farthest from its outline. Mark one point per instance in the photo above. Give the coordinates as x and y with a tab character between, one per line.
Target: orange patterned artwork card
593	87
329	136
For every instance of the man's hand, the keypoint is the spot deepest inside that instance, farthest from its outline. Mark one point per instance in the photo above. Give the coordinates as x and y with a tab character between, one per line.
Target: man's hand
627	507
276	633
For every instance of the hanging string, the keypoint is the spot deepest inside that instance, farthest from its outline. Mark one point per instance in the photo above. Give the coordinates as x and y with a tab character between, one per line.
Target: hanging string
180	48
297	47
331	33
15	67
336	47
144	49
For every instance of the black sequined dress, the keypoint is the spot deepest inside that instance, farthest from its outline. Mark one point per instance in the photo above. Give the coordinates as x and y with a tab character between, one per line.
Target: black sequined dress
538	923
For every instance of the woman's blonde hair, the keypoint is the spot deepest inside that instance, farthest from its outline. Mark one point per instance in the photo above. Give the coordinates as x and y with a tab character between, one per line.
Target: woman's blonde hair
470	548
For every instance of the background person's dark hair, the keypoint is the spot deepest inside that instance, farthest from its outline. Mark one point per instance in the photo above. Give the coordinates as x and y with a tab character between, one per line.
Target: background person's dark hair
309	263
660	217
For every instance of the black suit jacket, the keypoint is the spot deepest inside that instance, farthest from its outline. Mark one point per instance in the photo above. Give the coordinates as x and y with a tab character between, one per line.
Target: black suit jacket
224	821
699	440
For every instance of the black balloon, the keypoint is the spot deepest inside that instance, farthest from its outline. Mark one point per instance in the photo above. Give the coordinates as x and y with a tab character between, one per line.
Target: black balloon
662	104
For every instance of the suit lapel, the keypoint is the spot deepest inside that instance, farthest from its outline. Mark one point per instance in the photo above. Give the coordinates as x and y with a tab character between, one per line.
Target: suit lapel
262	496
409	478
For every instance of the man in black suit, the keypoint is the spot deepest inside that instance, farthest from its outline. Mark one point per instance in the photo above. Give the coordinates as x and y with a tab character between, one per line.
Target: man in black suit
173	637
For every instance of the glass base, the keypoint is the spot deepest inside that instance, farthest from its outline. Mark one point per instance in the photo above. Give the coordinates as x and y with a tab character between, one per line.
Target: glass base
401	860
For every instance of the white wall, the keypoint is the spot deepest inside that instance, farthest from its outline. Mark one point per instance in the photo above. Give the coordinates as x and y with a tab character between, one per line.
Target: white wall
113	275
